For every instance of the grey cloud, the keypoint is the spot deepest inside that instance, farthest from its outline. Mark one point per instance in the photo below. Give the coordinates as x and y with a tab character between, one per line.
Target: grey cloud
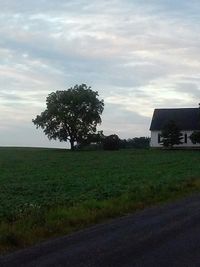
189	88
120	113
145	53
37	6
10	97
67	56
115	117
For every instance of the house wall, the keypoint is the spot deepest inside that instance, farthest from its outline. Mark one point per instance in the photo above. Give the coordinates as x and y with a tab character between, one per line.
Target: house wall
154	140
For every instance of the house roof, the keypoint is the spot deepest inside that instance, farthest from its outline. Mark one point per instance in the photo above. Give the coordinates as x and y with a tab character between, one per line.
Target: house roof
185	118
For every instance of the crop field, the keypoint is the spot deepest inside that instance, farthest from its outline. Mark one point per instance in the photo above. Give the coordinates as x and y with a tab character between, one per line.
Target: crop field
49	192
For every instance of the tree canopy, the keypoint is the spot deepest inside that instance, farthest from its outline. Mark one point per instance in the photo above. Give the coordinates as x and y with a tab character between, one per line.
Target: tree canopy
171	135
71	115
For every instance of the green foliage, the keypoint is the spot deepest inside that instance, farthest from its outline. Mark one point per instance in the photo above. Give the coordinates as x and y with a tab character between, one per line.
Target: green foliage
50	192
33	179
195	137
92	139
111	142
171	135
71	115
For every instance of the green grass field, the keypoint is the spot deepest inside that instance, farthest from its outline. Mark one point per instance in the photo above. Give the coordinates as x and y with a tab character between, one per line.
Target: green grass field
48	192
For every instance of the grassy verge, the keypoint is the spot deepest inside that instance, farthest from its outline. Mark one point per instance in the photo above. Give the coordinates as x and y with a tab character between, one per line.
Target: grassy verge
48	193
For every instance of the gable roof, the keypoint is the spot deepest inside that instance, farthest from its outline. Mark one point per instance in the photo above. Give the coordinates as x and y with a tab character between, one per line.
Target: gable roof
185	118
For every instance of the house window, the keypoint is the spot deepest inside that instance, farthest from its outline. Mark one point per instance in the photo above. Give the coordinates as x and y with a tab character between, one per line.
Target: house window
185	138
159	138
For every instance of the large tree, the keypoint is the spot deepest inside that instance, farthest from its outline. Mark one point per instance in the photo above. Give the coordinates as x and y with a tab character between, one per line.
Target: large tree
171	135
71	115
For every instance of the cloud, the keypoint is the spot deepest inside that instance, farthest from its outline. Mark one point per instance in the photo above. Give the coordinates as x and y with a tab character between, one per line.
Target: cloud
139	55
116	116
189	89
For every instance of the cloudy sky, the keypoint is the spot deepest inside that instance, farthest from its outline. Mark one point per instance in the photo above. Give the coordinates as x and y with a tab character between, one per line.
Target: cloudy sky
139	55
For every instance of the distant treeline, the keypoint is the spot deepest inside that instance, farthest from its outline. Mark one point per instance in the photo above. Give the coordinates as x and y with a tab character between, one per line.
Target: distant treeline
112	142
136	142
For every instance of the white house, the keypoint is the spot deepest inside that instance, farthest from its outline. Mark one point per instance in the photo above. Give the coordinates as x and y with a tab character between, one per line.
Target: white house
187	119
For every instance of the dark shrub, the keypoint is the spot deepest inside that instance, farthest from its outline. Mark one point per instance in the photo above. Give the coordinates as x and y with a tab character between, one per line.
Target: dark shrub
111	142
195	137
171	135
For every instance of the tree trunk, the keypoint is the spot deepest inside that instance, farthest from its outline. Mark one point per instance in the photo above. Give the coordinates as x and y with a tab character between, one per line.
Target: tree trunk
72	144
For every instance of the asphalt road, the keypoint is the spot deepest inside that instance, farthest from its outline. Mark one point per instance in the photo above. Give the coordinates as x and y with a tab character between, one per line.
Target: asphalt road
161	236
